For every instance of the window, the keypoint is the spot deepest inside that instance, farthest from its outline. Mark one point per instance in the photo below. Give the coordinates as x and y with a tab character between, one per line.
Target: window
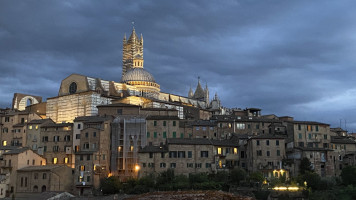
86	134
162	165
240	125
4	143
173	154
33	162
257	142
44	148
155	134
278	153
204	154
242	154
86	146
181	135
55	160
28	162
104	157
72	88
88	157
257	126
190	154
300	136
55	148
7	119
66	160
301	144
189	165
259	152
197	165
277	142
162	155
154	123
181	154
148	134
325	136
151	155
30	127
299	127
21	181
119	111
82	168
88	178
268	153
164	123
78	126
35	175
310	128
219	150
45	139
94	134
267	142
204	128
36	127
173	165
55	138
207	165
316	128
77	136
44	176
81	157
235	150
174	134
174	123
197	128
67	138
164	135
310	136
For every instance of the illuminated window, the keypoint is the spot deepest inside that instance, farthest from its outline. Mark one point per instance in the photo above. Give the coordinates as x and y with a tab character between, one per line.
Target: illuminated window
82	168
131	148
219	150
66	160
240	126
4	143
55	160
235	150
119	149
36	127
30	127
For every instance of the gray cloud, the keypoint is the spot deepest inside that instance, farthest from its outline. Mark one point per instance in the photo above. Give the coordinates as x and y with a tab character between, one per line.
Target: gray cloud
287	57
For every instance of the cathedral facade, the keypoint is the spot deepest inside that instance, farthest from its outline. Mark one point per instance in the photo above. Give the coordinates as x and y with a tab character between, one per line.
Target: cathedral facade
80	95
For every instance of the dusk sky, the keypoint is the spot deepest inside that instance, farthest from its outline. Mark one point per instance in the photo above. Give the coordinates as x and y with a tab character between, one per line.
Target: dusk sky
294	58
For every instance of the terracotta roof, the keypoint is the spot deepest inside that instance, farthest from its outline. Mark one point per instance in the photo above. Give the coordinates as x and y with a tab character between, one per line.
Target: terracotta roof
153	149
41	168
16	151
56	125
162	118
192	141
341	140
267	136
92	119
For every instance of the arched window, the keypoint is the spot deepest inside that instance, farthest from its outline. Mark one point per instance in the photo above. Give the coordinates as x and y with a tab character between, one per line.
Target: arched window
29	102
35	188
73	88
43	188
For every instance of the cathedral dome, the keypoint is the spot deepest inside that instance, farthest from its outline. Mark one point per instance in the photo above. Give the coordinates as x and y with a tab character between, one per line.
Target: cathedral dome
137	74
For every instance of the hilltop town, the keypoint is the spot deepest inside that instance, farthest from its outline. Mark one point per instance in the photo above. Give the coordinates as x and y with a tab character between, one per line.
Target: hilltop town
95	128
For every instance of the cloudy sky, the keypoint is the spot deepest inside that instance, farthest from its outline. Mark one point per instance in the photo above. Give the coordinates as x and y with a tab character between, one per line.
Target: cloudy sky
293	58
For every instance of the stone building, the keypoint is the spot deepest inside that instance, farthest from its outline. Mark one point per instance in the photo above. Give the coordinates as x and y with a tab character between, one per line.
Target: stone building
185	156
159	128
36	179
265	154
92	155
34	132
56	143
13	127
12	161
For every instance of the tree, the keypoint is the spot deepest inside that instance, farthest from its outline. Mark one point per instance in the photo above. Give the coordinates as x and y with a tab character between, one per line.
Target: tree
110	185
237	175
257	176
313	179
348	175
305	166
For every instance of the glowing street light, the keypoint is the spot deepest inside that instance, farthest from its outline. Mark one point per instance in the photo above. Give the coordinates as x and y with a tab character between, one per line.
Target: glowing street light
137	167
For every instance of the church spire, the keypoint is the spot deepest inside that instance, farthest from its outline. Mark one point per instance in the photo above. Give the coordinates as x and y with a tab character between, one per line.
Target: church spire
190	93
